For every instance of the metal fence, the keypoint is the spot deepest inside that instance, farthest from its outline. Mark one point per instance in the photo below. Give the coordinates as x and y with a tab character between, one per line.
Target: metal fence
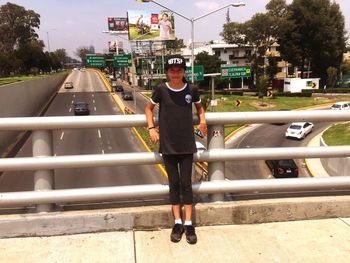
43	162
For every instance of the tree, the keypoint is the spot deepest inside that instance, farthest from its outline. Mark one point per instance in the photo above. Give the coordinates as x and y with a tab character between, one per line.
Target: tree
277	8
315	34
261	31
272	68
17	26
62	56
31	56
174	45
332	77
82	51
211	64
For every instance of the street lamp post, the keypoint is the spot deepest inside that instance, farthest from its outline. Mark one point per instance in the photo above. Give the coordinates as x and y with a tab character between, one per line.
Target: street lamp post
48	39
192	20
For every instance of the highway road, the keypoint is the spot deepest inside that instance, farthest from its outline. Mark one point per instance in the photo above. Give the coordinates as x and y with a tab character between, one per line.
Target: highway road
266	136
89	88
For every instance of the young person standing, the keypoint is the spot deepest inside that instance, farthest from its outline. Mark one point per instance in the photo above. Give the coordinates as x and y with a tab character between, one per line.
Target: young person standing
177	143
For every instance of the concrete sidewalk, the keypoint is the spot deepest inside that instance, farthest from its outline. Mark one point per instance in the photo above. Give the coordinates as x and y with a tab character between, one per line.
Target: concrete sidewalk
326	240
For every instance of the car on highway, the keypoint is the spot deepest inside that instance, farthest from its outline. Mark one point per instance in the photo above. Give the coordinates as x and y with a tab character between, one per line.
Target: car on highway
118	88
299	130
81	108
127	95
341	105
283	168
68	85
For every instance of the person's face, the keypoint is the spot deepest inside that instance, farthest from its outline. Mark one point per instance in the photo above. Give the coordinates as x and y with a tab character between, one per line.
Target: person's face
165	18
176	74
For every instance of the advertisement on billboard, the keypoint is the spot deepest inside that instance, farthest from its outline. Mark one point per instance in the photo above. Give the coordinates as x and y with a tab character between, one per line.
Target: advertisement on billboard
118	24
148	25
115	46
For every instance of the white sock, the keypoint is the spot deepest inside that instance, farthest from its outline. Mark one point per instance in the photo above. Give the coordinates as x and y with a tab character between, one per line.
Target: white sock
178	221
188	223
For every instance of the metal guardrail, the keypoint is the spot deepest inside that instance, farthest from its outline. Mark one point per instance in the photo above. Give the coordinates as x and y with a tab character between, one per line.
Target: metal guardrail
43	162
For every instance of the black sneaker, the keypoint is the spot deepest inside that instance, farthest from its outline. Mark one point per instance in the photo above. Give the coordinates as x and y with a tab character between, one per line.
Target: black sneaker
176	233
190	233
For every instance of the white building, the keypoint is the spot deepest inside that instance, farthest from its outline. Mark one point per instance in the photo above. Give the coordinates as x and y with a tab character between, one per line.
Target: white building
229	53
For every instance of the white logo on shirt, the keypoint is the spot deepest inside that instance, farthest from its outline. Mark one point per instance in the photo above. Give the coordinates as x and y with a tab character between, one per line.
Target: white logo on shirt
188	98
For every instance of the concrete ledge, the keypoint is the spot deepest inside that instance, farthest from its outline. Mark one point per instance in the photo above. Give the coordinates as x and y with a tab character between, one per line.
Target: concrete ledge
157	217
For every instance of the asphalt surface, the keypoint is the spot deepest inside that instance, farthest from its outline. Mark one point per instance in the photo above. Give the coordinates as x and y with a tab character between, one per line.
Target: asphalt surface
266	136
88	87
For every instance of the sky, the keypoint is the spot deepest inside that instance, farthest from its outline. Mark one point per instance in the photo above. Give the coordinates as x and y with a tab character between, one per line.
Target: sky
70	24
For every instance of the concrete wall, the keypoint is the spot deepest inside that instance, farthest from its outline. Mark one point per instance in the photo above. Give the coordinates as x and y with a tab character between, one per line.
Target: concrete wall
25	99
335	166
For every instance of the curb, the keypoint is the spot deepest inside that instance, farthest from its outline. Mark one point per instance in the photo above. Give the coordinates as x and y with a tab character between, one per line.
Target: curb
158	217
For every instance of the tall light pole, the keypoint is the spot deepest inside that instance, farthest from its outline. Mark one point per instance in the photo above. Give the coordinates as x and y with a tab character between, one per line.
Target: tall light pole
48	38
192	20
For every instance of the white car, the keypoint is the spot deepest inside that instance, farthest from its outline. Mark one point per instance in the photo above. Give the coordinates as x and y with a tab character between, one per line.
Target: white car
299	130
342	105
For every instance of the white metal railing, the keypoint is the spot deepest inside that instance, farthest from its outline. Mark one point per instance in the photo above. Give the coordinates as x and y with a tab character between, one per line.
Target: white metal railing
43	163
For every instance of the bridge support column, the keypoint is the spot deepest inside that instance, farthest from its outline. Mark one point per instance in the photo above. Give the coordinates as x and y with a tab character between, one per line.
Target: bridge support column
216	170
43	179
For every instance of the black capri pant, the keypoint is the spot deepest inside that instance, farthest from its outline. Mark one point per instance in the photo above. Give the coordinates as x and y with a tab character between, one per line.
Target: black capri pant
179	170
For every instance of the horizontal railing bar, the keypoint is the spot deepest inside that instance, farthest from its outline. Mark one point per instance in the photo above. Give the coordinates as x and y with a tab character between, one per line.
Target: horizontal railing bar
137	120
117	159
277	116
156	190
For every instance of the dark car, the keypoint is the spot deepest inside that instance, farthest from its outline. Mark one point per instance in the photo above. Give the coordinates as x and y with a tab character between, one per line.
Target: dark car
81	108
118	88
283	168
128	95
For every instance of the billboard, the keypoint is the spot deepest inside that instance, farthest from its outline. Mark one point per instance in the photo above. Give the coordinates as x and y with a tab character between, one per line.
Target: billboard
115	46
148	25
118	24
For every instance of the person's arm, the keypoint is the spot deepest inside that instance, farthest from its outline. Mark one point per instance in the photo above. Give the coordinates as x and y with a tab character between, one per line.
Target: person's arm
201	116
153	132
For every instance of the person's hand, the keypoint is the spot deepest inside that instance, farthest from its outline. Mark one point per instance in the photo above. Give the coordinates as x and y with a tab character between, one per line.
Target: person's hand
203	128
153	133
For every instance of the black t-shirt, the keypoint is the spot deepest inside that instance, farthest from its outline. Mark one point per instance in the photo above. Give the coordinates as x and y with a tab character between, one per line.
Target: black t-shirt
176	130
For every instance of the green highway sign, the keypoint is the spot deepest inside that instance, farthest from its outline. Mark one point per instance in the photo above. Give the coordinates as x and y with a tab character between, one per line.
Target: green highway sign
95	61
122	61
198	73
232	72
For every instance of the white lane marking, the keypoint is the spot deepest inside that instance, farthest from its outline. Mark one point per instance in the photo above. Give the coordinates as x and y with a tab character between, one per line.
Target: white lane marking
95	108
103	152
62	136
74	96
93	101
72	101
93	95
70	109
99	134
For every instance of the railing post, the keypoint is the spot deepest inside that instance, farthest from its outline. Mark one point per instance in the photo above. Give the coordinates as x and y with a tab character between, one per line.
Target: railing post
216	170
43	179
